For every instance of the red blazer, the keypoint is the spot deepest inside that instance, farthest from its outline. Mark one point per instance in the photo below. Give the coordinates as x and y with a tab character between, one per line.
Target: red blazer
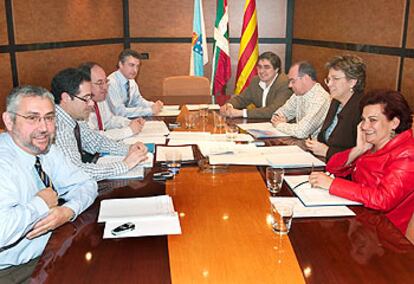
383	180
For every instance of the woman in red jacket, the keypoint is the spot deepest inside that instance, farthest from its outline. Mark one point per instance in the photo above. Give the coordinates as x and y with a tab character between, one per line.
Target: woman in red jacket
381	165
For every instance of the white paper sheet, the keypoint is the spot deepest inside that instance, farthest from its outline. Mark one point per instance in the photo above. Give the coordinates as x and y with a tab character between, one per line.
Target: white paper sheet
151	216
157	226
311	196
278	156
148	163
196	106
189	135
301	211
113	210
154	128
208	148
145	139
186	152
168	112
262	130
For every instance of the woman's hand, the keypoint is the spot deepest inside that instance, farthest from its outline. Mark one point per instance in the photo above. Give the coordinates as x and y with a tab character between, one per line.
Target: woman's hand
321	180
317	148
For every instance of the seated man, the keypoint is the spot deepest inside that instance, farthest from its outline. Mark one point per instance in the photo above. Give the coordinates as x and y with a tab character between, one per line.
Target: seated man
34	174
72	91
268	91
112	126
308	105
124	96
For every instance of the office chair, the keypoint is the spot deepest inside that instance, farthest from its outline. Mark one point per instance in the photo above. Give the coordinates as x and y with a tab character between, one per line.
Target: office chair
186	90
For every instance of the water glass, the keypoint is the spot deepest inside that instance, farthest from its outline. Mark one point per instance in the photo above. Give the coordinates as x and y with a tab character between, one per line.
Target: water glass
219	120
274	179
190	119
231	132
203	112
173	161
282	214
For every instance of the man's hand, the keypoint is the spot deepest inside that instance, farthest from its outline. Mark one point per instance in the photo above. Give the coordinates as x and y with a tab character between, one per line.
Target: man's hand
235	112
317	148
57	217
137	153
157	106
136	125
278	118
49	196
225	109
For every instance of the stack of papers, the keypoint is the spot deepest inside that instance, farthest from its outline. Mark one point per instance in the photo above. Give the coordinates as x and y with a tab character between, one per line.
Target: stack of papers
186	153
189	138
202	106
151	216
152	132
276	156
208	148
301	211
313	196
261	130
137	172
169	110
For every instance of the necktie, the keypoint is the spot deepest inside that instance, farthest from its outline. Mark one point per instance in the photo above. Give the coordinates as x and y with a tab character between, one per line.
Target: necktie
43	176
85	156
45	179
76	131
98	116
127	86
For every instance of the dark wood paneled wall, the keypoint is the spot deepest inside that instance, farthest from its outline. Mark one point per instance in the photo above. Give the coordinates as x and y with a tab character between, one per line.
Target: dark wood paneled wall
51	35
381	32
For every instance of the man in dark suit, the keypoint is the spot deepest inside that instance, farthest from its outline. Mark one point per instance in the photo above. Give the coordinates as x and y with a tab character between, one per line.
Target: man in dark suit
267	92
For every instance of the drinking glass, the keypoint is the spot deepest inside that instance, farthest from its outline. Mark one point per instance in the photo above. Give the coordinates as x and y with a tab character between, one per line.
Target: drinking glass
282	214
231	132
274	179
173	161
190	119
219	120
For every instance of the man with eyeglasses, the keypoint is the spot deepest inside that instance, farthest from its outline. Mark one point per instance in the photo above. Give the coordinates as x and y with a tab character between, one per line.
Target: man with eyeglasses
102	118
34	175
71	89
125	98
303	114
267	92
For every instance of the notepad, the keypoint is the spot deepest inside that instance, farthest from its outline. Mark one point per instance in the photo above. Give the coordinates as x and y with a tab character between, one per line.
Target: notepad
186	153
301	211
262	130
311	196
150	215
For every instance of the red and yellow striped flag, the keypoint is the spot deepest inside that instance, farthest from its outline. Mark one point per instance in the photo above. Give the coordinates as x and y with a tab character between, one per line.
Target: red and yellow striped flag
249	48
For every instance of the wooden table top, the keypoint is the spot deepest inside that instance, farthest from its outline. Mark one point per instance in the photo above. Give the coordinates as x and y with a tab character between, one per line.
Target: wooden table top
226	239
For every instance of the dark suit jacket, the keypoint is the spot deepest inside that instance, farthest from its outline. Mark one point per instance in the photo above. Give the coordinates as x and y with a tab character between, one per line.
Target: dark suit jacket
345	133
277	96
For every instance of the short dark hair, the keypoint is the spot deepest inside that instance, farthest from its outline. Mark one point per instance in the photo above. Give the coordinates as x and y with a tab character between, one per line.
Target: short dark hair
68	81
273	58
353	68
305	68
394	105
86	67
128	52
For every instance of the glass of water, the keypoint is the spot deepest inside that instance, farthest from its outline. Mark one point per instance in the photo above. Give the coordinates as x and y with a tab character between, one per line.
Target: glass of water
274	179
282	214
173	161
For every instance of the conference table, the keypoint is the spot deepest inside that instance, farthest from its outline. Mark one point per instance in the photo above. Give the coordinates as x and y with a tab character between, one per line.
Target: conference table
226	236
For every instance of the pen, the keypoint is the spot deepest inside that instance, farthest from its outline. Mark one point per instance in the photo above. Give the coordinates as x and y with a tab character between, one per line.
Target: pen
300	184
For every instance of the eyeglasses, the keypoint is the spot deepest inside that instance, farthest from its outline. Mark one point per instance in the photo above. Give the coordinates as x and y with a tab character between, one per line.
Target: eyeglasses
101	83
35	119
85	99
332	79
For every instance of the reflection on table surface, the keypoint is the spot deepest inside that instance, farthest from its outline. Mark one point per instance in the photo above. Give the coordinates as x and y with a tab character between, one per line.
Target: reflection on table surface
226	238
